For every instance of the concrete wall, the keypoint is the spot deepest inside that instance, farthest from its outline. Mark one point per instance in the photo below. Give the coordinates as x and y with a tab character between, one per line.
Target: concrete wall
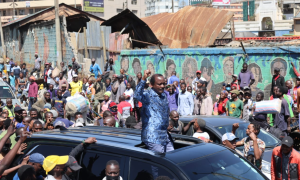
40	38
217	64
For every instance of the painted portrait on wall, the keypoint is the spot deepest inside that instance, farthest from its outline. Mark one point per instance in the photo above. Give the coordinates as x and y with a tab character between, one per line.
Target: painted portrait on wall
256	71
170	67
228	69
207	71
189	68
150	67
136	65
124	64
281	64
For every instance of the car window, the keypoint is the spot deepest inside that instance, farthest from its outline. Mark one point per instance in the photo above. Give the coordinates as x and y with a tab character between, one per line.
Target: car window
93	165
212	136
147	171
224	165
240	133
47	150
5	92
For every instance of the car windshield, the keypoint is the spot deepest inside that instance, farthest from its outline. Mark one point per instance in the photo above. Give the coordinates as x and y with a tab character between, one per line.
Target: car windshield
224	165
240	133
5	92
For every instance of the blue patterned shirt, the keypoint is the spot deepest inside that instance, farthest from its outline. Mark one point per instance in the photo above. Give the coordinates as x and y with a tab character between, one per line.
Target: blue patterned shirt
155	115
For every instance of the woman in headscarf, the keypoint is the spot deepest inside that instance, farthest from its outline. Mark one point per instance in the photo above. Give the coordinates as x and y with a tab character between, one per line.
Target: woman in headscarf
106	101
90	91
222	103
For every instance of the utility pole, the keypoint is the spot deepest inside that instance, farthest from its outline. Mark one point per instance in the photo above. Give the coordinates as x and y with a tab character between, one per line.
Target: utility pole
2	41
172	6
57	32
14	13
75	3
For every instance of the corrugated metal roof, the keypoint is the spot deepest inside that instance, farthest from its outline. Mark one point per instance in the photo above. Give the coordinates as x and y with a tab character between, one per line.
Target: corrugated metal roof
49	14
189	26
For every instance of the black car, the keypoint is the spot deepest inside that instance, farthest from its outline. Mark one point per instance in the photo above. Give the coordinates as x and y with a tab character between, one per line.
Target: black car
191	159
216	126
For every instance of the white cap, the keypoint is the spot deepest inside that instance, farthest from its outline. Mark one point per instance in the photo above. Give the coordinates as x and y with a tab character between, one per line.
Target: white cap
229	137
75	75
78	124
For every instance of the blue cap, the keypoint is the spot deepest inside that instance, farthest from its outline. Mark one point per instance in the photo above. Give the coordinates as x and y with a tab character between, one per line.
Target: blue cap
229	137
36	158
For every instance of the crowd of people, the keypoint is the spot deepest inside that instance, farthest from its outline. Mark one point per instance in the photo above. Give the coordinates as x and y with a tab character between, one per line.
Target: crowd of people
149	102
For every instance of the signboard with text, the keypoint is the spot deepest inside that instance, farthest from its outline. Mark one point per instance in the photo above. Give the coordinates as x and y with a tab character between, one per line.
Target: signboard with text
94	5
221	2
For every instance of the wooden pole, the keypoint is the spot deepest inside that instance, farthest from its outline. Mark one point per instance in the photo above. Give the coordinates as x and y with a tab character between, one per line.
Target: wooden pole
103	42
2	41
85	43
58	35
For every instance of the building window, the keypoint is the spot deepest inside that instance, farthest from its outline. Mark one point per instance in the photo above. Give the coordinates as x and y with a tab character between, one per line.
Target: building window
134	2
21	11
134	12
166	7
297	21
3	13
16	12
30	11
119	10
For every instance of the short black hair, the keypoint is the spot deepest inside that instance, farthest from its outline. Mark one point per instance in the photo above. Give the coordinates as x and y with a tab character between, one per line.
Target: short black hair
174	72
47	113
261	94
24	64
7	123
182	84
131	121
171	122
77	113
107	113
245	64
256	128
152	79
33	109
37	122
203	89
112	162
19	131
108	79
282	89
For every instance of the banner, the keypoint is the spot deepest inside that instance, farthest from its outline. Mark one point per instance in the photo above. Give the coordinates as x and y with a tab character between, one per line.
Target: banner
221	2
94	5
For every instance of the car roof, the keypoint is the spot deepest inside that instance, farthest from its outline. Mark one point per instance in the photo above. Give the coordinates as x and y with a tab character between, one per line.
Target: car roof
129	139
213	120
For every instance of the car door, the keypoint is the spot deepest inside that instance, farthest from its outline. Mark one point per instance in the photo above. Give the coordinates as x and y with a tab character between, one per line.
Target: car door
93	164
146	170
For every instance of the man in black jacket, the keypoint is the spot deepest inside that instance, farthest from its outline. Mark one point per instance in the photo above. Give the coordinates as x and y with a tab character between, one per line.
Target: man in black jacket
72	165
277	80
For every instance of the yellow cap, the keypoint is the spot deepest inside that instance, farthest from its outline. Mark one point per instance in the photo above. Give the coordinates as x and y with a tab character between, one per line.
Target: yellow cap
51	161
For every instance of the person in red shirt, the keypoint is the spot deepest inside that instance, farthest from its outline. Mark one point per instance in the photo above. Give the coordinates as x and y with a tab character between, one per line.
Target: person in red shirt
222	103
235	82
124	108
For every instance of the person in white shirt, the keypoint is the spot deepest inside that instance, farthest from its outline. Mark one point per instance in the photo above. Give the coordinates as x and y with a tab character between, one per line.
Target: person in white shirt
129	94
199	126
71	73
194	83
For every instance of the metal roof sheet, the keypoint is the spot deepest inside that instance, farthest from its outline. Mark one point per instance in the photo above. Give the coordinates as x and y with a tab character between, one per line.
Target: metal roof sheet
190	26
49	14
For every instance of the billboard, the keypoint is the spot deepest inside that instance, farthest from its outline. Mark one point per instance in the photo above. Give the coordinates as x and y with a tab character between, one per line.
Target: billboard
221	2
94	5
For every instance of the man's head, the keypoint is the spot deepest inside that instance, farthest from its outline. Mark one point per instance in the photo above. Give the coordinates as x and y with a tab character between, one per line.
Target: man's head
174	115
255	128
174	73
78	115
26	172
73	59
245	67
183	87
59	93
130	122
128	86
289	84
109	121
18	113
229	140
47	96
75	78
287	145
55	165
37	126
203	91
259	96
276	71
9	103
120	78
139	75
36	161
6	148
158	83
107	81
26	120
234	77
122	71
112	169
199	125
198	74
122	98
63	87
69	66
24	113
106	114
51	87
33	113
247	95
189	89
281	91
93	60
72	167
234	94
171	125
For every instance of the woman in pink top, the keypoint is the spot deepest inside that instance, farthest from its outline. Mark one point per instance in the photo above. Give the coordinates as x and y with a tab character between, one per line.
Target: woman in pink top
106	101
